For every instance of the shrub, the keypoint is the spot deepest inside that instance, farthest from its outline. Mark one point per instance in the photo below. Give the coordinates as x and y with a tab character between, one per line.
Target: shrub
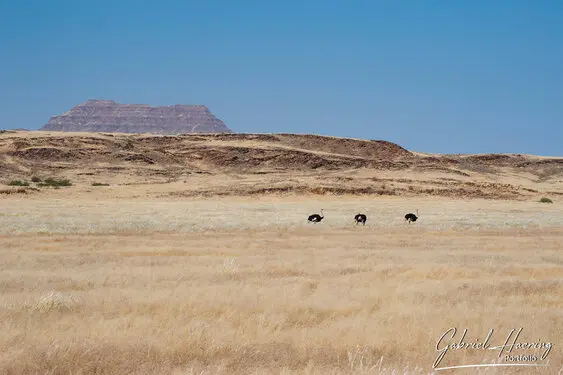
35	179
55	183
546	200
18	183
99	184
20	190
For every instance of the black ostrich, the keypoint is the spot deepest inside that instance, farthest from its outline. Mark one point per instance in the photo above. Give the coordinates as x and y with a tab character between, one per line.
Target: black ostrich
316	218
360	218
411	218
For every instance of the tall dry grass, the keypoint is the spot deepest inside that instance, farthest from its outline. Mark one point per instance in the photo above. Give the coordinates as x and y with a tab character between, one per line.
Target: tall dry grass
324	299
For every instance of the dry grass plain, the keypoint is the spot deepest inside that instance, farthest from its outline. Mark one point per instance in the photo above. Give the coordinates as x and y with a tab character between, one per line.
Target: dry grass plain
104	282
197	258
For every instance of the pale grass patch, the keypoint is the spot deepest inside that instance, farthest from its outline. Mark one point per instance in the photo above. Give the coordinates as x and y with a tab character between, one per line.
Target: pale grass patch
229	266
54	301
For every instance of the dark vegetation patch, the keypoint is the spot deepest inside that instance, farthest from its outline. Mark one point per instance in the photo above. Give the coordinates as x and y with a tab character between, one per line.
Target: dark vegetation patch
18	183
51	182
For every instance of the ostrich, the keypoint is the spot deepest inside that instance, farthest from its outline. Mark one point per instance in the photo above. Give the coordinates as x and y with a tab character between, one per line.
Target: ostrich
411	218
316	218
360	218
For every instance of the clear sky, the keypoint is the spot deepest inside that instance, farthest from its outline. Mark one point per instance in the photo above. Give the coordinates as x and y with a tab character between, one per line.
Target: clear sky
447	76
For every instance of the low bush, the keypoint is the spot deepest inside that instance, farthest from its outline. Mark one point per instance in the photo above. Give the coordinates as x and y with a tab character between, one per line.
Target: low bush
18	183
55	183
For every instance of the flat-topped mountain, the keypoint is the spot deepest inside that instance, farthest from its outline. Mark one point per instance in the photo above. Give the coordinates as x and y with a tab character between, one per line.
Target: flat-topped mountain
112	117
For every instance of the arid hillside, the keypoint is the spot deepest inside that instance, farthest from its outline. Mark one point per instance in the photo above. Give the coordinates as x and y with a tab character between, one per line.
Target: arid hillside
249	164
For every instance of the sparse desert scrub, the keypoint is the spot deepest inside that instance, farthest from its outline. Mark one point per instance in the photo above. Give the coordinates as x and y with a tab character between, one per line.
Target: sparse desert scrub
52	182
252	292
18	183
20	190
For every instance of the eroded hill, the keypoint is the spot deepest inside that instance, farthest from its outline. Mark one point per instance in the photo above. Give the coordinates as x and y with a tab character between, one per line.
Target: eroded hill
247	164
110	116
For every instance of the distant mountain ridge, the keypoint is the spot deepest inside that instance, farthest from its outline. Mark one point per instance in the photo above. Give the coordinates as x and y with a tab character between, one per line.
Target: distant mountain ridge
112	117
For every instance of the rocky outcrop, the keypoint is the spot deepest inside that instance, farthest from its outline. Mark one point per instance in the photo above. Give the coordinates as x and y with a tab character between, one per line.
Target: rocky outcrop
112	117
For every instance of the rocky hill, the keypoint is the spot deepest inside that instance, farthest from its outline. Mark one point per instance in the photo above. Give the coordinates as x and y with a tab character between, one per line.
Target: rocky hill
249	164
112	117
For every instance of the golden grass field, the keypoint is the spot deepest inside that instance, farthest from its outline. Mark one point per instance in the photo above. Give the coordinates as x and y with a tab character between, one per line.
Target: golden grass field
112	280
195	256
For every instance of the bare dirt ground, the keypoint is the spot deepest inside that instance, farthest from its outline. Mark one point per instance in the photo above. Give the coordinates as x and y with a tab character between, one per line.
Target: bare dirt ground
209	272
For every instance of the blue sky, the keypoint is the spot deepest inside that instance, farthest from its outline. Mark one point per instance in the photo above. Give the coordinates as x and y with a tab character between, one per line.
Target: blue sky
448	76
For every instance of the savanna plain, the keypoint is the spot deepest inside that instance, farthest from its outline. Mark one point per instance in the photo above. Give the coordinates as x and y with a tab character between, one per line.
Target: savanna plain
191	254
99	283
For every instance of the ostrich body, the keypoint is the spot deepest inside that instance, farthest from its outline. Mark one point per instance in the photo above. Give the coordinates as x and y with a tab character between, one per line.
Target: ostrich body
316	218
360	218
411	218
